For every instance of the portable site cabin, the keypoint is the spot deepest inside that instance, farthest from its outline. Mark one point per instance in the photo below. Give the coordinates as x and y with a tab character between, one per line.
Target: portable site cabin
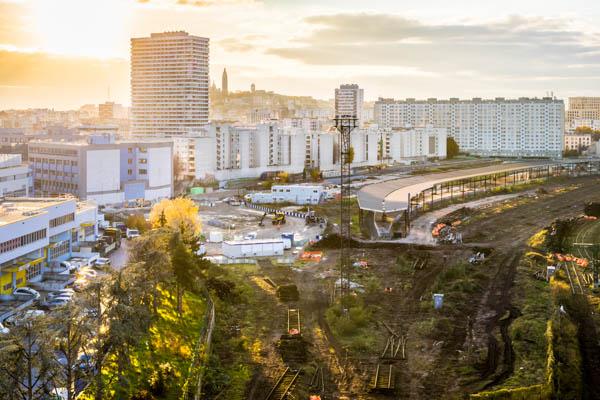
252	248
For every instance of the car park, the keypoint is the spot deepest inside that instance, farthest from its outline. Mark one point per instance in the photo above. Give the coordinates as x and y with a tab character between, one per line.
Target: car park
59	295
56	302
26	292
102	261
87	273
21	317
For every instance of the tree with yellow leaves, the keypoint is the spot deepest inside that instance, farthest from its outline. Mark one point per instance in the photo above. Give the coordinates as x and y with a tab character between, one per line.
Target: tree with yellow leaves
179	215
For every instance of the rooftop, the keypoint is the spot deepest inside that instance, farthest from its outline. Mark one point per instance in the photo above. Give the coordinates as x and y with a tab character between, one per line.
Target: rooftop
252	241
20	208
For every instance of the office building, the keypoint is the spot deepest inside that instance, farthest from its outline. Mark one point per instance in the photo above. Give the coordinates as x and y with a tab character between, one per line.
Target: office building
104	170
36	233
511	128
169	84
349	101
15	176
583	108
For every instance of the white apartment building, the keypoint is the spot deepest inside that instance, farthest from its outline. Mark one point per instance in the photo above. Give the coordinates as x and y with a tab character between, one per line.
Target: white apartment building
587	108
577	141
512	128
414	143
15	176
169	84
226	152
349	101
37	232
104	170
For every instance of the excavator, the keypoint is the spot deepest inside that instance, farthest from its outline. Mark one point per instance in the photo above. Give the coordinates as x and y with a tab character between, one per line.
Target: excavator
278	218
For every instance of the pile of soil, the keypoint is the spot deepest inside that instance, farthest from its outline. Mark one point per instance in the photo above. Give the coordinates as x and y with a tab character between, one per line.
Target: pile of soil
293	349
287	293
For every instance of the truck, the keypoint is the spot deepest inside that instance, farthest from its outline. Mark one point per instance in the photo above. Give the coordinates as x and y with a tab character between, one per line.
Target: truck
132	233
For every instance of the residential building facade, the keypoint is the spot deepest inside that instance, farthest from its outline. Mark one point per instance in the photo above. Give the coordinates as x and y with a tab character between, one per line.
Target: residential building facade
169	84
523	127
349	99
577	141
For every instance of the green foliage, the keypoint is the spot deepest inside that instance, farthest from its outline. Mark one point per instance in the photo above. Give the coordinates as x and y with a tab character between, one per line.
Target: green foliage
353	326
538	392
137	221
452	149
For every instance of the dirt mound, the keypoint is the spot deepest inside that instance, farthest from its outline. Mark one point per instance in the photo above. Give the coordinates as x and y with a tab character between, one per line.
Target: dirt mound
293	349
288	293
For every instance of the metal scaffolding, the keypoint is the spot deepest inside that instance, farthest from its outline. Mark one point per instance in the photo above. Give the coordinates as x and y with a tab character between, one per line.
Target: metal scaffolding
345	124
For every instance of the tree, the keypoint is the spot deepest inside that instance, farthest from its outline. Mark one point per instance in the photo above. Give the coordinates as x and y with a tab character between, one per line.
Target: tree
283	177
177	167
179	215
315	174
185	270
452	149
75	329
128	319
137	221
152	251
28	365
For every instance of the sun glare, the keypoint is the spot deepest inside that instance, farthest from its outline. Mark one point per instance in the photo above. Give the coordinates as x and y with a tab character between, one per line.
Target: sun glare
77	28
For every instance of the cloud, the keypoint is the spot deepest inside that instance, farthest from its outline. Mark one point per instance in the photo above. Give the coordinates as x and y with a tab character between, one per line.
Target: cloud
197	3
517	47
38	79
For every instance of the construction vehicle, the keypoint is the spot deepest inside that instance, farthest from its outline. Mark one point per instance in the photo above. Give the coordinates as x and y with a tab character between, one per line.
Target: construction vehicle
311	218
279	218
115	234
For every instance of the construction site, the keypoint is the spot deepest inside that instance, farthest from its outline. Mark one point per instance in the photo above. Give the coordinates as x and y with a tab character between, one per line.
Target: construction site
488	289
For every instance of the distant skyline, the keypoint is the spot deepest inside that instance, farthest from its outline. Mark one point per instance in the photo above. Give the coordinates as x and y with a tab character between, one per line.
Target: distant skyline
64	53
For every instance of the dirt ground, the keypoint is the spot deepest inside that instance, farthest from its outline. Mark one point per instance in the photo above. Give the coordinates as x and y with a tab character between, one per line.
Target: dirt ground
471	351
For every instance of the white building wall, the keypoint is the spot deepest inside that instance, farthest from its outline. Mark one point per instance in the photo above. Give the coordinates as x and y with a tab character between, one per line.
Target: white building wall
103	170
160	166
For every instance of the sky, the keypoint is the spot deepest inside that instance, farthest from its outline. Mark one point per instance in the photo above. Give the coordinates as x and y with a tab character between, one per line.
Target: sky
64	53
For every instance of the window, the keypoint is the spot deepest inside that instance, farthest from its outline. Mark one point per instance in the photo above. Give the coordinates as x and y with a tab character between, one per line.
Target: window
129	161
62	220
129	172
129	150
143	161
59	249
143	172
21	241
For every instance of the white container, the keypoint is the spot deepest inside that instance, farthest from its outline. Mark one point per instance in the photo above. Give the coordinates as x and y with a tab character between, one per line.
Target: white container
215	237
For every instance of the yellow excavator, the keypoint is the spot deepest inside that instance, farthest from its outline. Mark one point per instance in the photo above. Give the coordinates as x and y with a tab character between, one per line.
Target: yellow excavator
278	218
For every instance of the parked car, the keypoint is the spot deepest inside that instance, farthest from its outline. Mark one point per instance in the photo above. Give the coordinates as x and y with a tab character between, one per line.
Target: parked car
102	261
87	273
60	293
80	284
19	318
4	330
132	233
56	302
26	292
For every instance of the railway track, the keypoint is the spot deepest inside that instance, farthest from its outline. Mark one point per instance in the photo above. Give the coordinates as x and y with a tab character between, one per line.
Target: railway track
384	380
284	385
